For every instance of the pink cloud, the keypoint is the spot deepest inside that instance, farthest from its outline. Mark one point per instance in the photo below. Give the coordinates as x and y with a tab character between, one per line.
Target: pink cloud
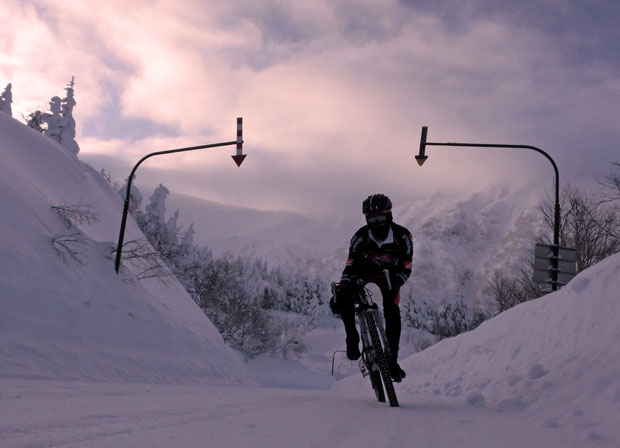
339	84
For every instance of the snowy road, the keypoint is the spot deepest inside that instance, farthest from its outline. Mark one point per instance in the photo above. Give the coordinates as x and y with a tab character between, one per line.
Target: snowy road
80	414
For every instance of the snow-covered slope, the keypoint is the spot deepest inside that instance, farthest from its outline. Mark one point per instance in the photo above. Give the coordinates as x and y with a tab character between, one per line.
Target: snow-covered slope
555	359
68	319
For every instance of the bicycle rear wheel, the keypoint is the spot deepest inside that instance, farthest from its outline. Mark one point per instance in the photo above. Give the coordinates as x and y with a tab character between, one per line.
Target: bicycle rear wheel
381	361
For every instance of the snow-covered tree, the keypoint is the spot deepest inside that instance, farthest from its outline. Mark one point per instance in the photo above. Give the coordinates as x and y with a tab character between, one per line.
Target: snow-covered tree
34	120
59	123
6	99
172	226
156	208
135	197
239	295
164	236
188	239
52	120
67	123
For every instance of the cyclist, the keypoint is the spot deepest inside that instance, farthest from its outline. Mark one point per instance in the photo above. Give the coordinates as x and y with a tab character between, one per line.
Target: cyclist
379	245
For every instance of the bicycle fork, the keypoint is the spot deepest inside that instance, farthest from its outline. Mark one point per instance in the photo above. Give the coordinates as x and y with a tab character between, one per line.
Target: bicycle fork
381	327
368	361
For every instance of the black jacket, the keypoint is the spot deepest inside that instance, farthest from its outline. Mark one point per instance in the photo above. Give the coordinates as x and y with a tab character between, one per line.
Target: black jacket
367	259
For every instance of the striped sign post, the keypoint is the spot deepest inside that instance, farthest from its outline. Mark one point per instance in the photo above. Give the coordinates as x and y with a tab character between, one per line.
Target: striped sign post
239	157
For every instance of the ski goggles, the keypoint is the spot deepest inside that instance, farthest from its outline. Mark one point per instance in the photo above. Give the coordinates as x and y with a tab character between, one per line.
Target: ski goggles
375	220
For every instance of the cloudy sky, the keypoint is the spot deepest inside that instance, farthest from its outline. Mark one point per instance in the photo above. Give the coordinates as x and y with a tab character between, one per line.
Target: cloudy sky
333	92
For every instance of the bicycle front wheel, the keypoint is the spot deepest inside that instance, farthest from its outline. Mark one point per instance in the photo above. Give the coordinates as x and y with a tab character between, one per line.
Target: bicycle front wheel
381	361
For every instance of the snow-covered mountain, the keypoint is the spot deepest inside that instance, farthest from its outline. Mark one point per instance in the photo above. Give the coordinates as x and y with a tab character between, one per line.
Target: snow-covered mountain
459	239
64	312
282	238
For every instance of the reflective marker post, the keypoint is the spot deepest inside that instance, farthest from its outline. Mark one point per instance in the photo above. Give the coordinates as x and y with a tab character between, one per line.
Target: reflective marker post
421	158
238	158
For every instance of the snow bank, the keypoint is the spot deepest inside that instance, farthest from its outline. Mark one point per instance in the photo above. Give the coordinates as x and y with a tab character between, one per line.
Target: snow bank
557	358
60	318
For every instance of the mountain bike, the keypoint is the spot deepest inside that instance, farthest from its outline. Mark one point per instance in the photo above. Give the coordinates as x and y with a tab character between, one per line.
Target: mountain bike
375	349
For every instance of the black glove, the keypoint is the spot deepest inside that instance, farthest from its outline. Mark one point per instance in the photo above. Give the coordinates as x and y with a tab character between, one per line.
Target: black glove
335	307
341	292
396	281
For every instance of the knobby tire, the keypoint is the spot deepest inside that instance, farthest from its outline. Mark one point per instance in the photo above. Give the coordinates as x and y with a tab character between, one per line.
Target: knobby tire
381	360
371	366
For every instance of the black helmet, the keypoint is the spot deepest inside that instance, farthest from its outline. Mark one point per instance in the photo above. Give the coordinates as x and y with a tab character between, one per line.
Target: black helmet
376	204
378	211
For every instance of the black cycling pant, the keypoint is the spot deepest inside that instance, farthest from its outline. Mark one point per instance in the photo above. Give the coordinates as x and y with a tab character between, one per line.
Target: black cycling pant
391	313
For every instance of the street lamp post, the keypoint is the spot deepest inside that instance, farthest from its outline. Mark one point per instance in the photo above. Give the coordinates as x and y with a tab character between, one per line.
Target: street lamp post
238	158
421	158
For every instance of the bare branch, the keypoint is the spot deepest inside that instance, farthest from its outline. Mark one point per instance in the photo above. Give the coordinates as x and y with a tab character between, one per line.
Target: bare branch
612	184
589	225
74	215
143	259
70	246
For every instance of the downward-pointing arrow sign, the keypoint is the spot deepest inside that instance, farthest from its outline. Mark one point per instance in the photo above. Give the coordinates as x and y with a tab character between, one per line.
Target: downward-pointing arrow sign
239	159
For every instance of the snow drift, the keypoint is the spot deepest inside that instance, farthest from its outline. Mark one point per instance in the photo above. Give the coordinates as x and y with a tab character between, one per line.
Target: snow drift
75	318
556	358
554	361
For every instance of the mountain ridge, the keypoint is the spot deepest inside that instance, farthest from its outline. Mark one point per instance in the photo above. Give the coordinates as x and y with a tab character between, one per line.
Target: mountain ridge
459	239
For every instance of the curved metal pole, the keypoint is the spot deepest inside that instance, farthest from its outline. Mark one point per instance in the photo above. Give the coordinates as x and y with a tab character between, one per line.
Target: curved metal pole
421	158
556	232
121	236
